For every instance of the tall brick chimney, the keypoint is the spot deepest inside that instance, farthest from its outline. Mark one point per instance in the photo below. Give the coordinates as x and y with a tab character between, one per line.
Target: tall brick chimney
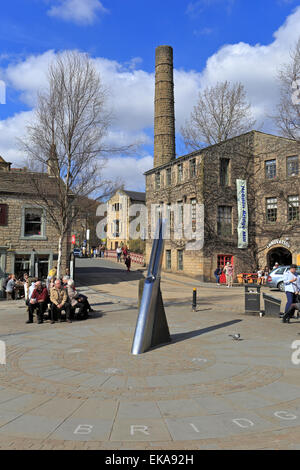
164	114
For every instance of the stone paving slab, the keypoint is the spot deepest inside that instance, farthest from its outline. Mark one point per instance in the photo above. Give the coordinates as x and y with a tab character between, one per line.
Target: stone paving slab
78	386
36	427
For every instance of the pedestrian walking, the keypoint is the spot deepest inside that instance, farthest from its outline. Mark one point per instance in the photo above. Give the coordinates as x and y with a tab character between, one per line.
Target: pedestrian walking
228	270
128	262
119	253
291	283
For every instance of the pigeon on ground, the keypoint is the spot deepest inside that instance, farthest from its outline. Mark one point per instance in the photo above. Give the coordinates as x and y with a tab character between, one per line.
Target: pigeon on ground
236	336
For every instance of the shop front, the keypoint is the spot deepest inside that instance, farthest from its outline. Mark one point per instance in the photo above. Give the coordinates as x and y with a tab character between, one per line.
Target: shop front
35	263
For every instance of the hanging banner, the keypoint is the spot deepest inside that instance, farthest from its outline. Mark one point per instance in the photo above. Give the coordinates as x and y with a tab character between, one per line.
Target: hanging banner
243	218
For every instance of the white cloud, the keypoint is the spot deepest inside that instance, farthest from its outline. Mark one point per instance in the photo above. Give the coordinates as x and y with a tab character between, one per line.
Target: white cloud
255	66
129	170
131	89
10	130
78	11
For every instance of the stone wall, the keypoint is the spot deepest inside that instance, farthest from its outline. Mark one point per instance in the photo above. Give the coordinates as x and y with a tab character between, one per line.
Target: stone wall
12	241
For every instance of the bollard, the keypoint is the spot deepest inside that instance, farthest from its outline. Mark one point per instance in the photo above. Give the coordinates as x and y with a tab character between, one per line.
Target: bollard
194	305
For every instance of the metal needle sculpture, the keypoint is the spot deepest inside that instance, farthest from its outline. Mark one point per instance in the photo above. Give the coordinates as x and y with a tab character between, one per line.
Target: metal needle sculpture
152	326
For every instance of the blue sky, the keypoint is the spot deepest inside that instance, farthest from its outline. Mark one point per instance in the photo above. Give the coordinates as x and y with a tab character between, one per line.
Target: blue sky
213	40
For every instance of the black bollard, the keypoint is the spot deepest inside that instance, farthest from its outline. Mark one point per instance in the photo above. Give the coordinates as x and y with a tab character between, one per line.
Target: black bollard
194	306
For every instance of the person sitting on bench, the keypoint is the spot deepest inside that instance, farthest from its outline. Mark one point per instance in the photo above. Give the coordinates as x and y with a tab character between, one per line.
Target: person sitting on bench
38	300
78	301
59	299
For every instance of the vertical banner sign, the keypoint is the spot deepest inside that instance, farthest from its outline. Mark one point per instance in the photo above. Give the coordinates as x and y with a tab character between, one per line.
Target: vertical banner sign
242	213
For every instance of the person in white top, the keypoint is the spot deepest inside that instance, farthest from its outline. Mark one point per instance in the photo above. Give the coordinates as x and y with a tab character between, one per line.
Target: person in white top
119	252
292	287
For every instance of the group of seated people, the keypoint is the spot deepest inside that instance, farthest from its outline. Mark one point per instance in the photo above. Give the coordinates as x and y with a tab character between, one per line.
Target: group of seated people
56	296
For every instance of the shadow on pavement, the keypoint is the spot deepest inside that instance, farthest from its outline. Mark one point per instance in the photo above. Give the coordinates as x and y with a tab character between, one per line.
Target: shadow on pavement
176	338
93	275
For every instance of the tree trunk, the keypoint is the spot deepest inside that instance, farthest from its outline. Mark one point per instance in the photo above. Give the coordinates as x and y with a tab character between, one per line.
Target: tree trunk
60	240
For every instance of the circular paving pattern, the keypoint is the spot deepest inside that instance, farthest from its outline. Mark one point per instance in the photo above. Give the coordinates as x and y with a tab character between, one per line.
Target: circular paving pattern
79	383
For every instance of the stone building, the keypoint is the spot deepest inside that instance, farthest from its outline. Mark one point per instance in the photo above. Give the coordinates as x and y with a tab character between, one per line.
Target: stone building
28	239
267	166
86	220
118	218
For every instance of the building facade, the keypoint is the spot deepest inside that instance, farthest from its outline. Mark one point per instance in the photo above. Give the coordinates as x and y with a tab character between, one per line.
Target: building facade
266	166
119	218
28	238
270	167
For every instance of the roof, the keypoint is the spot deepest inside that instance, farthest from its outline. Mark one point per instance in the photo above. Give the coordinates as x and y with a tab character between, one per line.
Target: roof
135	195
25	183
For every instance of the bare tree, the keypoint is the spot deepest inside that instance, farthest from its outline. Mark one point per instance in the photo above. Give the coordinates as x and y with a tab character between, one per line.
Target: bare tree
222	112
288	117
67	137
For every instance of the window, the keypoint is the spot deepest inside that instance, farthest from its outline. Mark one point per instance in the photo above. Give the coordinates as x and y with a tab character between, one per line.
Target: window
169	216
224	223
116	207
180	260
3	214
293	208
157	180
280	270
292	166
180	173
192	168
169	177
194	214
270	169
33	222
272	209
224	171
180	209
117	228
168	259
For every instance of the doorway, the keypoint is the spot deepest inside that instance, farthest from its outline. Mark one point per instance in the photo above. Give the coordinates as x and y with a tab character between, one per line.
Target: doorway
279	255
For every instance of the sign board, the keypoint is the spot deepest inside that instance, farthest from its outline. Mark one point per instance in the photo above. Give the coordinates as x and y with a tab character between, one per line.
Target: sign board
279	241
88	234
73	240
243	216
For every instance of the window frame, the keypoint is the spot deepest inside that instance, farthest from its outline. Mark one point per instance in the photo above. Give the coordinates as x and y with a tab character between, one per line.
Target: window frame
296	159
3	215
168	259
268	218
180	173
225	175
192	168
221	223
157	180
180	267
291	209
42	236
169	177
269	174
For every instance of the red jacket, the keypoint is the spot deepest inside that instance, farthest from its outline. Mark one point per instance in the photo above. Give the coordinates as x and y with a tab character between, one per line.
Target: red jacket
40	296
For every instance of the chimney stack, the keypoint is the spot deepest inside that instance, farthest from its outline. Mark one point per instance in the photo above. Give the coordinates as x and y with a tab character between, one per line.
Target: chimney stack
164	115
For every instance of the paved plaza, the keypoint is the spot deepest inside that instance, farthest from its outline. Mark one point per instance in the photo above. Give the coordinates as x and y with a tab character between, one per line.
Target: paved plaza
76	386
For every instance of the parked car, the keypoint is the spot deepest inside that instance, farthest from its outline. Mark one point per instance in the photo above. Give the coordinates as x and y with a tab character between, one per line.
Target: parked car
77	252
275	278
